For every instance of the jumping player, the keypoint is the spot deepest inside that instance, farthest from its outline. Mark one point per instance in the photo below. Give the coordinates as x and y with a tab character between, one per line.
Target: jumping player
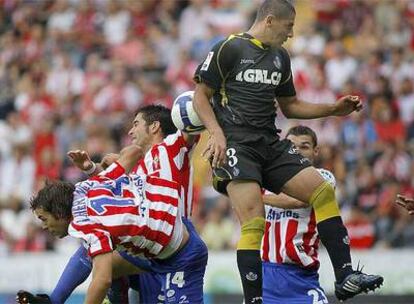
244	76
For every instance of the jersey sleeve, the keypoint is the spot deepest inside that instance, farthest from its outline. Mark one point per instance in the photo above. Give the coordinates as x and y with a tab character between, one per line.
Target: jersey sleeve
286	87
218	63
328	176
96	240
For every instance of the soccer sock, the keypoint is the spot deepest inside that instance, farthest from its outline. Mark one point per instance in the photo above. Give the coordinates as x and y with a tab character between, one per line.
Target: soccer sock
249	261
118	293
331	229
76	271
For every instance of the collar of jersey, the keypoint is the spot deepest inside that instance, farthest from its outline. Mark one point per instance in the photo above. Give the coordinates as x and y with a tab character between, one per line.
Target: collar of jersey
255	41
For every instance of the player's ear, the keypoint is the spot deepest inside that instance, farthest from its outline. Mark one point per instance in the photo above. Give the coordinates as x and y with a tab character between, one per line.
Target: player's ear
269	20
316	150
155	127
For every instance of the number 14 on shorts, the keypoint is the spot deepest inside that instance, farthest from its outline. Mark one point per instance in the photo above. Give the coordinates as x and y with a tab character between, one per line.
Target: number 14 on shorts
318	296
177	279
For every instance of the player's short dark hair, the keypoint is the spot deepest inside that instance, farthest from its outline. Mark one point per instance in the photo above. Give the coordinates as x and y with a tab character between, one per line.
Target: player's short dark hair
281	9
151	113
303	130
56	197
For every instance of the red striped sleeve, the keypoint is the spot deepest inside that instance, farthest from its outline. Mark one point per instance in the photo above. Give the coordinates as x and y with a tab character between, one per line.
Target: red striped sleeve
95	230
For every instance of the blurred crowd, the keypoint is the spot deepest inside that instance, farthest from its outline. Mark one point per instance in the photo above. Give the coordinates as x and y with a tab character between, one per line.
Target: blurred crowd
73	72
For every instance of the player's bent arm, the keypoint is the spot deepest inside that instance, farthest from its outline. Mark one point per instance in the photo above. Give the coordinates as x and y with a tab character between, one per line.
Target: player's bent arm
216	148
101	278
202	95
283	201
292	107
108	160
129	157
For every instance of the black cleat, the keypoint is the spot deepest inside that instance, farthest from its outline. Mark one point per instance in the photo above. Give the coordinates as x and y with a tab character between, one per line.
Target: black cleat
356	283
25	297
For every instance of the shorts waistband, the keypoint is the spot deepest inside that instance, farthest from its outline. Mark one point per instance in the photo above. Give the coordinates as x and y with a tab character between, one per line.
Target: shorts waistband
290	267
237	129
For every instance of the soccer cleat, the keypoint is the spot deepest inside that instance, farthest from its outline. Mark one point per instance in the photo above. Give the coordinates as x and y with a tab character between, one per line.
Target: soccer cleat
25	297
356	283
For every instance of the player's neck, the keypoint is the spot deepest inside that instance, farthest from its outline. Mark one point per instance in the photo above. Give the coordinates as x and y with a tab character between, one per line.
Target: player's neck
157	139
257	33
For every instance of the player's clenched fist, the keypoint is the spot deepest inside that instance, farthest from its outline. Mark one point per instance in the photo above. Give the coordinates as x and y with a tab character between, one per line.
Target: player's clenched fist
25	297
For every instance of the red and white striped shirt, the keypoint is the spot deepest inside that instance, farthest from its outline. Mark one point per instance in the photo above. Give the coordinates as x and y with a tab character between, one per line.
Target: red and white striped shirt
133	213
170	160
290	234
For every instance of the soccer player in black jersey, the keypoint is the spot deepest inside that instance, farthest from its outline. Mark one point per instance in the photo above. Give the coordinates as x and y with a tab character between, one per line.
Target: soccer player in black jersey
243	76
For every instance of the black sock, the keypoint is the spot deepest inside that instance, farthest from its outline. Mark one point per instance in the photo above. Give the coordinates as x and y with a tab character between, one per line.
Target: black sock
334	237
250	268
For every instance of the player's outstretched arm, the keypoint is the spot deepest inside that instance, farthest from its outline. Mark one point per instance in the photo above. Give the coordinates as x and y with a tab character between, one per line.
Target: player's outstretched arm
283	201
292	107
406	202
101	278
216	148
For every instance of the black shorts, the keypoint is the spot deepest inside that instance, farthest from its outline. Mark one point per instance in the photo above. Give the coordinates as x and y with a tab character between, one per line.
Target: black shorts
260	157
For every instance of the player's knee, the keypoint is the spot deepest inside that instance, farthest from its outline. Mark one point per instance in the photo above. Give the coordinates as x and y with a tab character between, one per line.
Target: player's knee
324	202
251	234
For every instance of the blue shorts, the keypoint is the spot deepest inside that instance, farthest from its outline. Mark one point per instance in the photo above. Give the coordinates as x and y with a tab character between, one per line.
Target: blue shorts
283	283
148	286
182	275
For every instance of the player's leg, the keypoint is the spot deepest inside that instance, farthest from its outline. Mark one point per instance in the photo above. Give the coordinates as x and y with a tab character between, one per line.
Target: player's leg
247	202
292	174
309	186
75	273
290	284
240	179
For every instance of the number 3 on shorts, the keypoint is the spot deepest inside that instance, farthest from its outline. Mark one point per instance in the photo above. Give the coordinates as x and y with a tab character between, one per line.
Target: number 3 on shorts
231	156
177	279
315	294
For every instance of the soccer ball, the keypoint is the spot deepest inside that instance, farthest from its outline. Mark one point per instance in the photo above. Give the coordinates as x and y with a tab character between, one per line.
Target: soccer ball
184	116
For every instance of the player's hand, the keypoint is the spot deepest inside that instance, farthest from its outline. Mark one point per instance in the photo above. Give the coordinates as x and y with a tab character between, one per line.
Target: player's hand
109	159
80	159
216	149
406	202
347	104
25	297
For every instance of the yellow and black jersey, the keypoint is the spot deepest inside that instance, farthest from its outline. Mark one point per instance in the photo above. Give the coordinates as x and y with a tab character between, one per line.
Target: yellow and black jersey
247	76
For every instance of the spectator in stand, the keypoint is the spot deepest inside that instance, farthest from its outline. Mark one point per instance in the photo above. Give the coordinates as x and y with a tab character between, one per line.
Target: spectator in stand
120	95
